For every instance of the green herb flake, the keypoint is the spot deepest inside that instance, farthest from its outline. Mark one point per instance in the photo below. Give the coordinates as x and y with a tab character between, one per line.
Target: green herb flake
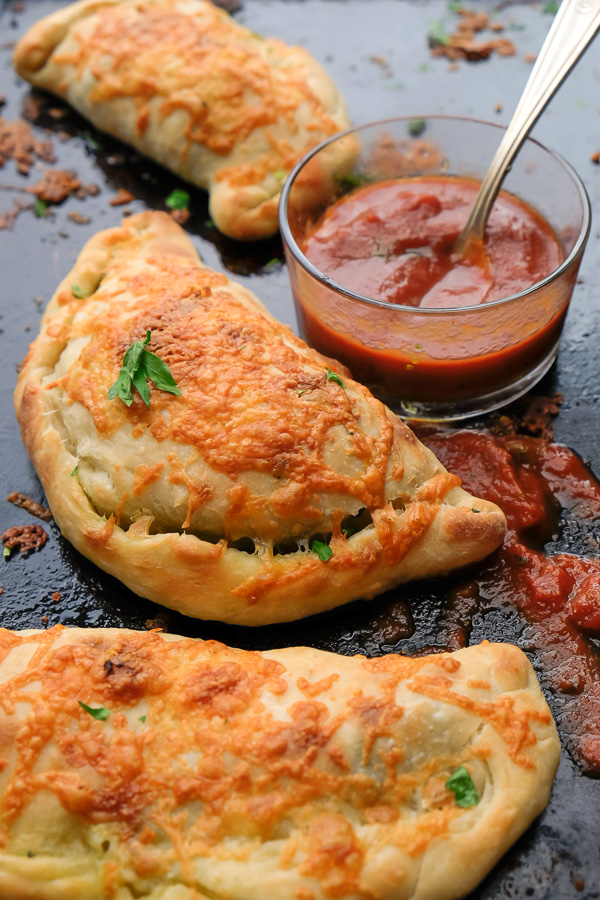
301	391
454	6
437	34
423	67
475	510
39	208
99	713
331	376
417	127
178	199
6	553
91	141
323	551
142	719
74	472
209	224
77	292
463	788
139	367
30	854
271	264
279	175
347	182
551	8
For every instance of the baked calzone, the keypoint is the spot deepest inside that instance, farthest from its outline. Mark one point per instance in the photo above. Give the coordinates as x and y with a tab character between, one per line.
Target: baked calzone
152	766
272	487
180	80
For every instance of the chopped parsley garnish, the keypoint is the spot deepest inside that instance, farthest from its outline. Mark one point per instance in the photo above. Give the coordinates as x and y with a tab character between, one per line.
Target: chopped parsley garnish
331	376
91	141
6	553
417	127
178	199
550	9
271	264
301	391
463	788
139	366
279	174
142	719
30	854
348	182
40	207
74	472
77	292
323	551
437	34
100	713
209	224
475	510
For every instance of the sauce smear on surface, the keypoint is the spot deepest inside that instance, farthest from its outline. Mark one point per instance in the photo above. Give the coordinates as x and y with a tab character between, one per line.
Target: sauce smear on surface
538	485
394	241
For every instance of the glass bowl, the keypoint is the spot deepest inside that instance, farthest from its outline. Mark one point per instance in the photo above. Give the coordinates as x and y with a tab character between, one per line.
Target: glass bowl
434	364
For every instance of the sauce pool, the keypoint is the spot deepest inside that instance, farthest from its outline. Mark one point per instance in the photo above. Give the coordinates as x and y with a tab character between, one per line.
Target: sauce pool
394	241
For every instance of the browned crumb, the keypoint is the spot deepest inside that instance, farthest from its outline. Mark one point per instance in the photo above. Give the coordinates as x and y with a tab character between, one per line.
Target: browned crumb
382	62
161	622
31	108
595	158
56	596
24	538
462	44
180	215
92	189
7	219
530	57
498	108
122	197
78	218
56	185
18	142
58	113
25	502
44	620
1	591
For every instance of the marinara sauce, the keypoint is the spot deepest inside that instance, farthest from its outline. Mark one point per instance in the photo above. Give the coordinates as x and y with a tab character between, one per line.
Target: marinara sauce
538	484
394	241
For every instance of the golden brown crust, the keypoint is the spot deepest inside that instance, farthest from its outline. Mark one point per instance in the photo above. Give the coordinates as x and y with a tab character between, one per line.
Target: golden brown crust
288	774
207	502
184	83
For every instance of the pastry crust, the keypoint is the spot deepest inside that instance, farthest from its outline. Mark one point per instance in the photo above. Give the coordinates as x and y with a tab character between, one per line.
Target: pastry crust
209	502
180	80
291	773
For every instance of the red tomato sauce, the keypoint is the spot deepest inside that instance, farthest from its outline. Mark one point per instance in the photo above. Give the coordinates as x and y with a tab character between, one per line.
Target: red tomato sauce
394	241
557	596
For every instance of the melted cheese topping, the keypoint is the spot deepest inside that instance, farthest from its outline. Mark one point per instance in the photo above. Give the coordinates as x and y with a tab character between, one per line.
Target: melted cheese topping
262	444
227	80
236	772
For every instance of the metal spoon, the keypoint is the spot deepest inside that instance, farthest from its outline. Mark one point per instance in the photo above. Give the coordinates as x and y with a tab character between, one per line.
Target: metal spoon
575	26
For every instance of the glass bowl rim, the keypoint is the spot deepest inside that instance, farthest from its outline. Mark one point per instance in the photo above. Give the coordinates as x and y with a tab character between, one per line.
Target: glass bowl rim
290	241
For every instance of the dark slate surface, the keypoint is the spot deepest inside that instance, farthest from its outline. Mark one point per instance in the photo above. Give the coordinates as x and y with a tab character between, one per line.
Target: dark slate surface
559	857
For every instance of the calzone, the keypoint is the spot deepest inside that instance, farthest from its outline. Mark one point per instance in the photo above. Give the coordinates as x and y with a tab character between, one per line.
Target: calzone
180	80
274	486
143	765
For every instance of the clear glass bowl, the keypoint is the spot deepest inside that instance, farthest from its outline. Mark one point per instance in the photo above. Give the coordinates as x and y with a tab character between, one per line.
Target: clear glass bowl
437	364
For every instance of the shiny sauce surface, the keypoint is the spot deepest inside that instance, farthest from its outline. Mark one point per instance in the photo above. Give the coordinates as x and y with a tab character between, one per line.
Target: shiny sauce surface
394	241
541	485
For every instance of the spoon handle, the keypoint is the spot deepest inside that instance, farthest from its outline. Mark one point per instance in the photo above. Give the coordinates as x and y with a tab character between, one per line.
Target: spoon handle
575	25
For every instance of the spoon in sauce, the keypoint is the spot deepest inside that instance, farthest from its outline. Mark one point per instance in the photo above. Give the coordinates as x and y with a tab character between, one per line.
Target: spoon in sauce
575	26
